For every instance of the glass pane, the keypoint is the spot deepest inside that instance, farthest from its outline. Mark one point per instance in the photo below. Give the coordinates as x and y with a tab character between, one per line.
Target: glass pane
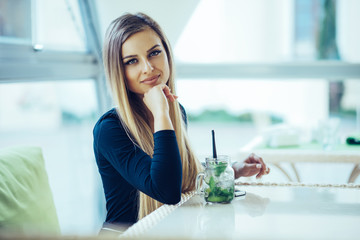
271	31
59	25
58	117
242	109
15	21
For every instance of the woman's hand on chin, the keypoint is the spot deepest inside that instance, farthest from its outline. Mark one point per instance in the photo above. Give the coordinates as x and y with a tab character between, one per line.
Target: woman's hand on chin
156	101
169	95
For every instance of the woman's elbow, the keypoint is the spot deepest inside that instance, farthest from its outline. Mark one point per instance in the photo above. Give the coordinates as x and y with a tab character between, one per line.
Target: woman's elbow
171	195
174	199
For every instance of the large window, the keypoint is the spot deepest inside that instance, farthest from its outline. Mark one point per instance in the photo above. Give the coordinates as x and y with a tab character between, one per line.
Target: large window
270	31
245	67
15	21
50	96
264	54
67	34
251	106
58	116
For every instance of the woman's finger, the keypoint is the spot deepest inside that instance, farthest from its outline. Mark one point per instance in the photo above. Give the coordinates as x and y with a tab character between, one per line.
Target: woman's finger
259	160
166	89
171	97
168	94
267	171
264	167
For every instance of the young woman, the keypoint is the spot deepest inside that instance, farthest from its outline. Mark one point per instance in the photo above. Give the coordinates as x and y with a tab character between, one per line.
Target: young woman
141	146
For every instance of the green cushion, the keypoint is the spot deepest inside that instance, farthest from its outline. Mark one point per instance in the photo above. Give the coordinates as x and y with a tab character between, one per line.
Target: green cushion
26	201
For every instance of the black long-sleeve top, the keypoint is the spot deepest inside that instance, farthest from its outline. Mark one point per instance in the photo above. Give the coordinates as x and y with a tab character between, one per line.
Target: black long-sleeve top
125	169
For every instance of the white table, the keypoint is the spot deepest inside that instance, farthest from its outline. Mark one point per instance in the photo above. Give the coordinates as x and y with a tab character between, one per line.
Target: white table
268	211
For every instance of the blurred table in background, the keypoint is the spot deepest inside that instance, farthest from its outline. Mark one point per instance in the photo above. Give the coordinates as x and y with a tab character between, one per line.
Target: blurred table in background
311	152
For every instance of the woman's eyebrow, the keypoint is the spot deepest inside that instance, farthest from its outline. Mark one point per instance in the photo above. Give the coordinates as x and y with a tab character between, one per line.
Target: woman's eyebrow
156	45
131	56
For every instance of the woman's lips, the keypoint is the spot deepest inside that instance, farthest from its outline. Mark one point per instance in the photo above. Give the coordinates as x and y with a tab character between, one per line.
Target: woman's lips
151	80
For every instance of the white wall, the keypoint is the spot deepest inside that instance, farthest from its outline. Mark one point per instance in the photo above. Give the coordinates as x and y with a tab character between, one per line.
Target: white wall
238	31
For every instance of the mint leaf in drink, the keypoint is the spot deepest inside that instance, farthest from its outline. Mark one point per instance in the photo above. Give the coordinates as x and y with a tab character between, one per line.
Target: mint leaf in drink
220	168
212	183
215	193
216	199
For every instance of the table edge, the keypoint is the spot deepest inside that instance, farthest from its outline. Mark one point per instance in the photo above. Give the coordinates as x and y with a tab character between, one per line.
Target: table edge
155	217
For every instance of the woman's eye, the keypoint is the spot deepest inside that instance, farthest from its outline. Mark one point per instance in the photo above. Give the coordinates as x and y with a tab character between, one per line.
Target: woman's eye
154	53
131	61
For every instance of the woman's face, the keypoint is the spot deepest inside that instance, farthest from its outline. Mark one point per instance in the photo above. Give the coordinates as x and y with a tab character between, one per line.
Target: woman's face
145	61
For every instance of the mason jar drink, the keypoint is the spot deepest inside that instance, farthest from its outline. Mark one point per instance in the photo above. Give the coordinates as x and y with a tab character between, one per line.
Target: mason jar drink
216	183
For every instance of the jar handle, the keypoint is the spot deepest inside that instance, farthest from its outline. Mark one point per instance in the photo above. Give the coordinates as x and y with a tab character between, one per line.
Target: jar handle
199	178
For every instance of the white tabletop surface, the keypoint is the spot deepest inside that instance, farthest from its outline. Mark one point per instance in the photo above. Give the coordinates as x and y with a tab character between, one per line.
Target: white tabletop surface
266	212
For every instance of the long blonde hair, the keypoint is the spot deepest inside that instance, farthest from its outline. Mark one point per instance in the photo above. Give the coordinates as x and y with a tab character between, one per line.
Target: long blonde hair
131	109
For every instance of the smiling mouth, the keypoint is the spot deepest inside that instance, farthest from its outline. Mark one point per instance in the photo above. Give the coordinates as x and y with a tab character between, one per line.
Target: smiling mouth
151	80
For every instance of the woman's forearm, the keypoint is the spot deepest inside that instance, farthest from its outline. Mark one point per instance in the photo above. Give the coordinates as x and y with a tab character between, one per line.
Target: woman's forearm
162	122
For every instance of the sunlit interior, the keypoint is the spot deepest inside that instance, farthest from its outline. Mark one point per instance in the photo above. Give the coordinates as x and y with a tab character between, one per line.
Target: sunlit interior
266	75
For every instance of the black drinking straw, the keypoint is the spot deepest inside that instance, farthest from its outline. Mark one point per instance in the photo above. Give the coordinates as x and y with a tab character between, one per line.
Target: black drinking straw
213	144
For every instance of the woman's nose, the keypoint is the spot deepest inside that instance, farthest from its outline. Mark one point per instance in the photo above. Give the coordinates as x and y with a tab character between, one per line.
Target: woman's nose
147	67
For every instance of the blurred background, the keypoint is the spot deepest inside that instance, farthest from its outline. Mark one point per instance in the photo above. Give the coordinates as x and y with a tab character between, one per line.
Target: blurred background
243	67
